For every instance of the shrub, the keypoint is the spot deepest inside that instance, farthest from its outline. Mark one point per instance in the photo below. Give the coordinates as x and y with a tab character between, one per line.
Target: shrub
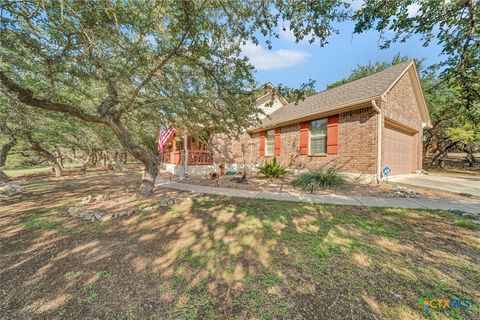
320	178
272	169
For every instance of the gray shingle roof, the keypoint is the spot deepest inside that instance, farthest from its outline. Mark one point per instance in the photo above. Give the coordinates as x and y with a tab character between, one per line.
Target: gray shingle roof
371	86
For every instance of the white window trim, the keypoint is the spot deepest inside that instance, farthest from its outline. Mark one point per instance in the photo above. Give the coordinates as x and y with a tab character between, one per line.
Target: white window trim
310	139
267	154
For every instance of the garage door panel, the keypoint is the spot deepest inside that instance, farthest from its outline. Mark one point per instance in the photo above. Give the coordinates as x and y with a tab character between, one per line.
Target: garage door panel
398	150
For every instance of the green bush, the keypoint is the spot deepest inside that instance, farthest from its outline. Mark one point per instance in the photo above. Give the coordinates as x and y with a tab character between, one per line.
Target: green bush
320	178
272	169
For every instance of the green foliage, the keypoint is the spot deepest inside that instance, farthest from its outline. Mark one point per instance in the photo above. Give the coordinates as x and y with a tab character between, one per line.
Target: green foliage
41	221
176	63
466	134
272	169
294	94
366	70
453	25
91	293
319	179
467	224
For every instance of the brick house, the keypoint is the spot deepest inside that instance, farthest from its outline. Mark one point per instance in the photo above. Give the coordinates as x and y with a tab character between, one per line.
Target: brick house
359	127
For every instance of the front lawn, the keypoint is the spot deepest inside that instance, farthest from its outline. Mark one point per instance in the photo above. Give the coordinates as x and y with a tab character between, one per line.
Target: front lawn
217	257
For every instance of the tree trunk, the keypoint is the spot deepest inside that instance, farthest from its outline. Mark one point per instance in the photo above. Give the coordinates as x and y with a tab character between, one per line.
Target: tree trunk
86	161
146	157
104	158
59	157
109	116
438	159
3	158
3	177
35	146
470	155
5	150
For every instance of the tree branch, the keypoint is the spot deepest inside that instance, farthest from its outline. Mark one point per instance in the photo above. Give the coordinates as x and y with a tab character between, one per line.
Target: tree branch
26	96
160	65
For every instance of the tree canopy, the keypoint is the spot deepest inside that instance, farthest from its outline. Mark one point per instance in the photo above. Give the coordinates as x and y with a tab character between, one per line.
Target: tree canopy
131	65
120	63
453	25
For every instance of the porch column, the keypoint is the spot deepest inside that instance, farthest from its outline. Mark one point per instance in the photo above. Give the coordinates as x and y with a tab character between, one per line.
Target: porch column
174	149
185	149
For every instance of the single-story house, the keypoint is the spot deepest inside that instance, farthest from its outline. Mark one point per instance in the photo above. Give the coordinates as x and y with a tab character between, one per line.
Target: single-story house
360	127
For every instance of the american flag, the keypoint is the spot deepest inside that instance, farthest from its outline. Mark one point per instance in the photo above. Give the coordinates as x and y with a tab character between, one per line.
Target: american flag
162	138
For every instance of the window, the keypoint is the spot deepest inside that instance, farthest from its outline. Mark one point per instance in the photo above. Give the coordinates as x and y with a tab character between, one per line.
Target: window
269	142
318	136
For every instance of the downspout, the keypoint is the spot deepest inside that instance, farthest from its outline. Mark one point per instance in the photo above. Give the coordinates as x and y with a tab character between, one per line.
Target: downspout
379	140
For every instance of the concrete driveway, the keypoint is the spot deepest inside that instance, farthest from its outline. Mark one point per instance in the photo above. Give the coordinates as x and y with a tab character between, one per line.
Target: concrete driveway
455	184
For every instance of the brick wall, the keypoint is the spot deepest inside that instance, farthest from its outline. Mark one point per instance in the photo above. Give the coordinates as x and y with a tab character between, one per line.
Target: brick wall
356	146
357	140
402	106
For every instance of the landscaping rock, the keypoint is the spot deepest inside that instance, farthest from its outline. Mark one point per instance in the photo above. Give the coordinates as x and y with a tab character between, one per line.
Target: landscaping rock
471	215
10	189
100	197
90	215
72	211
169	201
107	217
22	182
87	199
405	192
120	214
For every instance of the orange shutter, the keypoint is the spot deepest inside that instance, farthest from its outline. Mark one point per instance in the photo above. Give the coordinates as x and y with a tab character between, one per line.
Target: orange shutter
278	133
304	138
332	134
262	143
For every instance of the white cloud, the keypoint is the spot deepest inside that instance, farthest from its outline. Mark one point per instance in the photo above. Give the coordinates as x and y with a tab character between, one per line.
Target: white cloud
264	59
356	4
287	35
413	9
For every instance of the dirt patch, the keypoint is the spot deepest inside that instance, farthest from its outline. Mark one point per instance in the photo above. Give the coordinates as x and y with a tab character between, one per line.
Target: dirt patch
210	257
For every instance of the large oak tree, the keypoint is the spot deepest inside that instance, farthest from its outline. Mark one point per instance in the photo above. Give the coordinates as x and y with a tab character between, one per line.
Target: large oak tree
124	63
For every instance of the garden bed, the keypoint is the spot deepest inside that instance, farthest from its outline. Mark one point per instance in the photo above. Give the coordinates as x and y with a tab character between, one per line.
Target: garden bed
258	182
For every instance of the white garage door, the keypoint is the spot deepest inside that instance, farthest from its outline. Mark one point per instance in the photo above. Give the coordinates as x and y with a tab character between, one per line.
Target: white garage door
397	151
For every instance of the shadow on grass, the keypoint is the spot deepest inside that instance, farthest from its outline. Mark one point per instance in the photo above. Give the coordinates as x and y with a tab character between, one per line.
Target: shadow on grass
219	257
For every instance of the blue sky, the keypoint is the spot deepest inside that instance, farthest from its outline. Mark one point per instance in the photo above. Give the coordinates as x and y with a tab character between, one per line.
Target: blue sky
291	64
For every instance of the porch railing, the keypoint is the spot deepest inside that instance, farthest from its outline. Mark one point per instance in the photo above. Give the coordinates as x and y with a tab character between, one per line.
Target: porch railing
195	157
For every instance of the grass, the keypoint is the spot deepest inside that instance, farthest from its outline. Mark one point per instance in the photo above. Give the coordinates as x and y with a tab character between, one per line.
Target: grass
214	257
30	170
42	221
467	224
334	248
18	172
90	292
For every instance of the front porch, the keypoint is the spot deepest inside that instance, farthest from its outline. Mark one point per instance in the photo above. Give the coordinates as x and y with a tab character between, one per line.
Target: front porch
186	155
195	157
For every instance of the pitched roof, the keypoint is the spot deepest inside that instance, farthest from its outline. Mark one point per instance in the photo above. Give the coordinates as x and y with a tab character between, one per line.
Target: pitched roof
264	93
358	91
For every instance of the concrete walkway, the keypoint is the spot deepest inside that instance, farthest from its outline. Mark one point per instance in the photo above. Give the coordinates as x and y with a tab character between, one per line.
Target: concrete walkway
456	184
415	203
